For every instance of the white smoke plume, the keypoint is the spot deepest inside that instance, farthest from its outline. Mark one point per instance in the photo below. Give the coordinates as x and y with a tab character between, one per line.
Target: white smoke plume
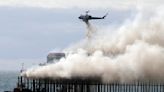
135	51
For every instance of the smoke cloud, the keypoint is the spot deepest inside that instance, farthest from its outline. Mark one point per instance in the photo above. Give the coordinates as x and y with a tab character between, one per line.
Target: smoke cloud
134	51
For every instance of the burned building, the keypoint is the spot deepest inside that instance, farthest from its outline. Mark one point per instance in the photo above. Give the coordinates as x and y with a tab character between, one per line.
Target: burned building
54	57
85	85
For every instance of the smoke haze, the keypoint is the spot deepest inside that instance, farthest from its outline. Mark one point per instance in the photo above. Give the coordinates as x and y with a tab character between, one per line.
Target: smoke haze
134	51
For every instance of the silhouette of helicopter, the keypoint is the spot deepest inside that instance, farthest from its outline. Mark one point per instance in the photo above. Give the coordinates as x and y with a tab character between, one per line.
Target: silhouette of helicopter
87	17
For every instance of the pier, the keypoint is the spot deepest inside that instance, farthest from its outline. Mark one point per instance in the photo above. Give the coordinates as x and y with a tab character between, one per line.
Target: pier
77	85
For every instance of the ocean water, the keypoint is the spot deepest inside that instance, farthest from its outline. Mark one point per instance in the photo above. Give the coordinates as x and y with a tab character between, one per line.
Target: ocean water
8	80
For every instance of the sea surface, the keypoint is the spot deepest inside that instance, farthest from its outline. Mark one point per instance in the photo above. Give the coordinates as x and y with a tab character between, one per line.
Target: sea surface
8	80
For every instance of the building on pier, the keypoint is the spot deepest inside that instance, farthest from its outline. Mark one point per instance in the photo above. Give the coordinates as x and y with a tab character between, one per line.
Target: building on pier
85	85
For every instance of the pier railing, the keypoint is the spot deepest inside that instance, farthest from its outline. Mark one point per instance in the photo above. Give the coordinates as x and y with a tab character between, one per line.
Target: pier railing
65	85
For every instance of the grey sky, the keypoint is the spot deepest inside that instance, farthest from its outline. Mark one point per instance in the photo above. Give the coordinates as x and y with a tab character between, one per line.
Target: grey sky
27	34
